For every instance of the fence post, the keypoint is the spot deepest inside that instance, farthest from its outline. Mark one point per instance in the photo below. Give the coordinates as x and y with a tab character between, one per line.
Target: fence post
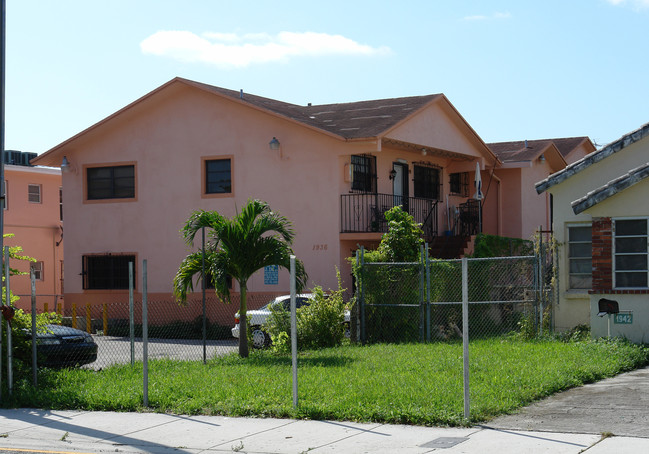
32	279
10	371
541	280
465	336
428	304
362	298
145	336
74	315
131	316
105	317
422	309
293	332
203	296
46	307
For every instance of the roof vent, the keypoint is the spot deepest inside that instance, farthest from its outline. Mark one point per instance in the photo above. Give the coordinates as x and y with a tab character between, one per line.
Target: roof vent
241	94
526	144
309	104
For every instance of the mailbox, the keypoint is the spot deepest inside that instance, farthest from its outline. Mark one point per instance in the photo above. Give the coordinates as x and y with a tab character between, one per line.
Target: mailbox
607	307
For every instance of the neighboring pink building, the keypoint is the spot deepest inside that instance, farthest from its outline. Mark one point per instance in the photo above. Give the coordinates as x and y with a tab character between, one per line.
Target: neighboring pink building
523	164
33	214
135	177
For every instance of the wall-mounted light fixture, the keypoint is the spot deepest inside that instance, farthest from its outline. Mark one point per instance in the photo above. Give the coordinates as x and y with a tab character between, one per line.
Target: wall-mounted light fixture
65	165
393	174
274	144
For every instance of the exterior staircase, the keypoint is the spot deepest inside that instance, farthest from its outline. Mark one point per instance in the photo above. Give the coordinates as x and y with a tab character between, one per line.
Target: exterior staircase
449	247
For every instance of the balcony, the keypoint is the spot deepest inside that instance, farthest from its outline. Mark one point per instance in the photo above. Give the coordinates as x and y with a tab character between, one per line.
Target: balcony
365	212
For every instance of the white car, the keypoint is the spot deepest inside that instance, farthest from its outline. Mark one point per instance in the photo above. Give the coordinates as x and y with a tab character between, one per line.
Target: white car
258	318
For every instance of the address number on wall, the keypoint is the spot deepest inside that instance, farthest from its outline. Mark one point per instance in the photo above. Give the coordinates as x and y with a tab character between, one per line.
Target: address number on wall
320	247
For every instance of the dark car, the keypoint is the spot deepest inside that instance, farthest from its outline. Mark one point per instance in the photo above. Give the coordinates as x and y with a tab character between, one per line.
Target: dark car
62	346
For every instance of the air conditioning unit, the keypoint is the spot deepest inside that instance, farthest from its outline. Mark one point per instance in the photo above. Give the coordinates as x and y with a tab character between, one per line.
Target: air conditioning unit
28	157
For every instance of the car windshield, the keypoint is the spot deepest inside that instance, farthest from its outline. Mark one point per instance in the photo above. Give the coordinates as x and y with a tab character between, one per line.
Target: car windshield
286	302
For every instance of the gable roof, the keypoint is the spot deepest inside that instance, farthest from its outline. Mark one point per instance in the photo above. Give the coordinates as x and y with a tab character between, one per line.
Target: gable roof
518	151
567	145
528	151
611	188
347	121
593	158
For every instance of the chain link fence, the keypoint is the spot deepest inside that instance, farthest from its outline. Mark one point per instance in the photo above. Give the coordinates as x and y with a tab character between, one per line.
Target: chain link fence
422	302
174	331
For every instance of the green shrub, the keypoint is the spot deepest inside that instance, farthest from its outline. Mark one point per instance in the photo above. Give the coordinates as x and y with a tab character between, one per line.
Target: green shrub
320	324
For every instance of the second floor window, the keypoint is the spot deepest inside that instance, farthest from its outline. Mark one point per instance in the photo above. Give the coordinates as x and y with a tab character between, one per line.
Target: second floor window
34	193
427	182
37	267
364	173
218	176
115	182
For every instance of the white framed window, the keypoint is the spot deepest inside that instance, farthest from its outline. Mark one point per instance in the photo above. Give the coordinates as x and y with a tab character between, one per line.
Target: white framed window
630	253
37	267
34	193
580	260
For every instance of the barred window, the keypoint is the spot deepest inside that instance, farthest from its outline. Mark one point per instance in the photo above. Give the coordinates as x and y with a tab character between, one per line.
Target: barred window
459	184
427	182
105	272
364	173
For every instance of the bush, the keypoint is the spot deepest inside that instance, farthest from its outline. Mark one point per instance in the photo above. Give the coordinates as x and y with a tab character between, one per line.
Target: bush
320	324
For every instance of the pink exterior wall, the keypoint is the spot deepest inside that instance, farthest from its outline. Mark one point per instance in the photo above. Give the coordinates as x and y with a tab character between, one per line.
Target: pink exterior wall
535	208
37	228
167	135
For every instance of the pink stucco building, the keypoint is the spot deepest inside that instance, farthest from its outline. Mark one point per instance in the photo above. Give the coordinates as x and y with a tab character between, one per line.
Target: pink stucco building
523	163
134	178
33	214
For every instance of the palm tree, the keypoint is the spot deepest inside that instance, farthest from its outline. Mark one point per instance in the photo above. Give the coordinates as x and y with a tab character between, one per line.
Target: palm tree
238	247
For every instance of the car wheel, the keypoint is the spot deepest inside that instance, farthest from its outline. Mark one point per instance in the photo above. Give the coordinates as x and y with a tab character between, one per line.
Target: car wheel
260	339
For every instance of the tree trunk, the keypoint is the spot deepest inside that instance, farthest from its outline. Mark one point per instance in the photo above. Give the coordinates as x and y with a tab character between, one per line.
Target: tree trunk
243	322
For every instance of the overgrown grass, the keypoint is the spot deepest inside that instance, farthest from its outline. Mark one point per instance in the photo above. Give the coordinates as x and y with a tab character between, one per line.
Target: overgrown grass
409	383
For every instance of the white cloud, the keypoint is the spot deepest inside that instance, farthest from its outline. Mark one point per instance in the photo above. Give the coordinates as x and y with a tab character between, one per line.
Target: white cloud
229	50
497	15
635	4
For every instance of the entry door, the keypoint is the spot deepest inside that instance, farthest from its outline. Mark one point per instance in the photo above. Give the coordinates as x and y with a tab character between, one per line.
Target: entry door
400	185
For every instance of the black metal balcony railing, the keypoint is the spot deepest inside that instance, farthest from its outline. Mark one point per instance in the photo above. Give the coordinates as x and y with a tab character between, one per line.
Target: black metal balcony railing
366	212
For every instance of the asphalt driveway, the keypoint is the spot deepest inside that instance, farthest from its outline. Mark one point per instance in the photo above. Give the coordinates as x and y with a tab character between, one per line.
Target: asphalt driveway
619	405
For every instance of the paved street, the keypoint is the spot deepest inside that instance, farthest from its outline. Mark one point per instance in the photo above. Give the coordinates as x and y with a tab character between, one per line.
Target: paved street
117	350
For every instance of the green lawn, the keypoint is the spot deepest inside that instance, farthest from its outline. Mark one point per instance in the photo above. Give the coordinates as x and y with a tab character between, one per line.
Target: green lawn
410	384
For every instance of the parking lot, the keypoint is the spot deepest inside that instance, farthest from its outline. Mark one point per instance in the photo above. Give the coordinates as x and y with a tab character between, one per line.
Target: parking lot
117	350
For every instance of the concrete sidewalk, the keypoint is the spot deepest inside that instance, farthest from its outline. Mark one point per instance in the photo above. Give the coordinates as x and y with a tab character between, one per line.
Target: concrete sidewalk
95	432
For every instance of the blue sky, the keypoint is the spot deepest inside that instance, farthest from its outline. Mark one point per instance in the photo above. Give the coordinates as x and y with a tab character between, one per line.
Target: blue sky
514	69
